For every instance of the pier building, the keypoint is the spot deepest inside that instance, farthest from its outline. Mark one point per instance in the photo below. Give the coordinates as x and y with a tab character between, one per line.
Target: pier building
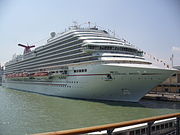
171	84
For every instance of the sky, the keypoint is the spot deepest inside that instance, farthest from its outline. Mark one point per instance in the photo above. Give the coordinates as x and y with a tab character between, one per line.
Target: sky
151	25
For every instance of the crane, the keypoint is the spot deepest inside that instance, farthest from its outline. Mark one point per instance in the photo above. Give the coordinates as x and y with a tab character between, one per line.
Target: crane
27	48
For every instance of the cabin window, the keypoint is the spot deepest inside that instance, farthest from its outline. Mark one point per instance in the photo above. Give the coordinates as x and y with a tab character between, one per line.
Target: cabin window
65	71
115	48
80	70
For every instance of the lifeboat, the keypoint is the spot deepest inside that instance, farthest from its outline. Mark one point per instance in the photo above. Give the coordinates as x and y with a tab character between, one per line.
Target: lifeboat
41	74
35	74
10	75
20	75
25	74
32	74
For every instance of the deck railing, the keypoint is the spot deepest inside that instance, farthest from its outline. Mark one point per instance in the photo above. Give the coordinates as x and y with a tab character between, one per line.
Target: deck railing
110	127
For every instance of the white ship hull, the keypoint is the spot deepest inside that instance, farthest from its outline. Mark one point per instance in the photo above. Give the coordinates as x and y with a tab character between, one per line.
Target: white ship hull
126	82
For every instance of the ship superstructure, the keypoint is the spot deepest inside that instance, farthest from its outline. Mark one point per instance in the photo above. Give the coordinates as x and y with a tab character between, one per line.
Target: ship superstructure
86	63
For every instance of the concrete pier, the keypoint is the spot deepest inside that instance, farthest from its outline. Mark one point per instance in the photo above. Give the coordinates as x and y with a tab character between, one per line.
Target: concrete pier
163	96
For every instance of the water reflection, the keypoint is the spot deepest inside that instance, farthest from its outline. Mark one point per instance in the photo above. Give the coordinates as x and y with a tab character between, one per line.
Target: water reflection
26	113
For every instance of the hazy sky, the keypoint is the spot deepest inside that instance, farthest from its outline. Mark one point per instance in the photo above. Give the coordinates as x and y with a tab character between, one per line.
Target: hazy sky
152	25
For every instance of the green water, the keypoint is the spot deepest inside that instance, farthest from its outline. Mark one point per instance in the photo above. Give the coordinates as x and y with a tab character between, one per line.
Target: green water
24	113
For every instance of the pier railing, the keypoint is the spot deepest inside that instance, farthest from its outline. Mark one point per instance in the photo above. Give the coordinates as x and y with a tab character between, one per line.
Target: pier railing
110	127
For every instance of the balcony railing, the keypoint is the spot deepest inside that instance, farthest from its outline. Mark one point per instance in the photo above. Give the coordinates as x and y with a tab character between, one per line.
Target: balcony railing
110	127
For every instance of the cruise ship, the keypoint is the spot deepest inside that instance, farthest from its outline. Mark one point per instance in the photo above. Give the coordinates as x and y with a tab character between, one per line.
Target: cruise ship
84	63
1	73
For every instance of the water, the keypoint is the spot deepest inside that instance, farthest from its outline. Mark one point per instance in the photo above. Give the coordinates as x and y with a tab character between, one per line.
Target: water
24	113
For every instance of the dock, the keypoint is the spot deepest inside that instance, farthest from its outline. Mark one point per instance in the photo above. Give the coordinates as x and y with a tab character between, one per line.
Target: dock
163	96
169	90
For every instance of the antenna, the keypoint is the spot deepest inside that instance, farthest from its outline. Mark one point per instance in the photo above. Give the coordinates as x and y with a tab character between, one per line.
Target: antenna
114	33
75	23
89	23
172	58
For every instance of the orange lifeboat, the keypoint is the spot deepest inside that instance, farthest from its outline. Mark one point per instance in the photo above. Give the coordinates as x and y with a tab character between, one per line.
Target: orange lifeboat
25	74
13	75
32	74
43	73
20	74
35	74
